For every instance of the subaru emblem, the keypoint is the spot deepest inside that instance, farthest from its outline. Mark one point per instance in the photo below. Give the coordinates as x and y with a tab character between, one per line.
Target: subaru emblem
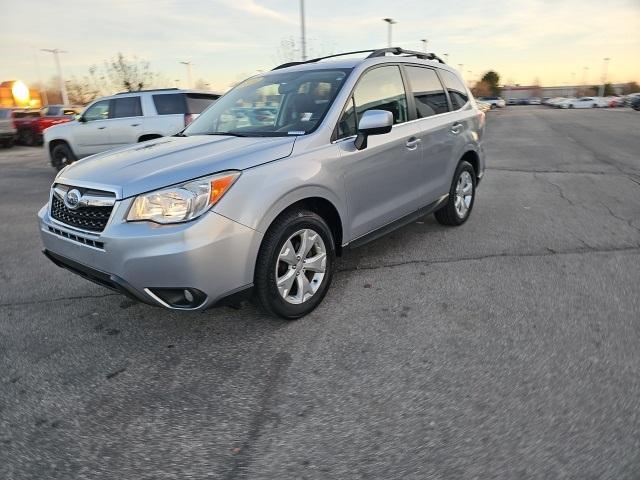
72	199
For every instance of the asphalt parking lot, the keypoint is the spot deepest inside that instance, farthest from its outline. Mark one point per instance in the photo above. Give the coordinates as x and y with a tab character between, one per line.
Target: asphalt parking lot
507	348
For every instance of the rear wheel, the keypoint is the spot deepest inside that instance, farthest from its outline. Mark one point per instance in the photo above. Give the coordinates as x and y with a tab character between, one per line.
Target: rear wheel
295	264
61	156
8	143
461	197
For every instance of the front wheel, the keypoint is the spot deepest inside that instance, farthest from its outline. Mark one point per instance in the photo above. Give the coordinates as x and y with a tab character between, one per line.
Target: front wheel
461	197
295	264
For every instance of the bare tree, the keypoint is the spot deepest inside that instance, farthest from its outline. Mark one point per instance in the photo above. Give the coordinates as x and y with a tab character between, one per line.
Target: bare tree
129	74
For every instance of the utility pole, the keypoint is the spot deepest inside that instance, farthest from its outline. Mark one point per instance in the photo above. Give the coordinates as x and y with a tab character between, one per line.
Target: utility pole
424	44
303	32
604	76
189	73
63	86
390	22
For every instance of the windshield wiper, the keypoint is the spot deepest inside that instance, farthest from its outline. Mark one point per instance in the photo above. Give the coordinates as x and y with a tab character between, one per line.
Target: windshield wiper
229	134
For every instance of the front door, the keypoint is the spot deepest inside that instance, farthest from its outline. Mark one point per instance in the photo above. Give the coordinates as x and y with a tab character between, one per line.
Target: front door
382	181
91	135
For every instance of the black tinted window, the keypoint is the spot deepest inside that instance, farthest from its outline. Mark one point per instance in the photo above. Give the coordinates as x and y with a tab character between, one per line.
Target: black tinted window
126	107
456	89
170	103
427	92
197	102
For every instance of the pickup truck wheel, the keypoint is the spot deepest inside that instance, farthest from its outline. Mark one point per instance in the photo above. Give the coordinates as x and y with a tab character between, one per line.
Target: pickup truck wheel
295	264
461	197
61	156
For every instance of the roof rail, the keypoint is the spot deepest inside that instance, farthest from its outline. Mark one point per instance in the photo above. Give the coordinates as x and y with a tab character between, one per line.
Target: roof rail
150	90
407	53
372	54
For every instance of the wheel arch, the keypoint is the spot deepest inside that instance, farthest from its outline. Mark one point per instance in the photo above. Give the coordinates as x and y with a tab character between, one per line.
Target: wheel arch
316	200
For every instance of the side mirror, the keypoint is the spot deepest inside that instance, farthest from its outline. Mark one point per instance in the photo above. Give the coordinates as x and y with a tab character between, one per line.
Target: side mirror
80	118
373	122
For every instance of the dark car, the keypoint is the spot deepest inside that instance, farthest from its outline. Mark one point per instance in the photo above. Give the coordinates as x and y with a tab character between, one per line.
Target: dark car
635	103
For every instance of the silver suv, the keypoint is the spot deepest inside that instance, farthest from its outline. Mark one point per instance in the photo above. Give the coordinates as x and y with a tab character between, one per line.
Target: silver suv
268	185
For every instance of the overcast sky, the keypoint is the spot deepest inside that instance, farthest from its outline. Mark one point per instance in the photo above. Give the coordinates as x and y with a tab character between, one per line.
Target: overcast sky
230	39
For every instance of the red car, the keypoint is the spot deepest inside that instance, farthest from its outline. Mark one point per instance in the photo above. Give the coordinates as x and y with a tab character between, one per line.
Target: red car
31	123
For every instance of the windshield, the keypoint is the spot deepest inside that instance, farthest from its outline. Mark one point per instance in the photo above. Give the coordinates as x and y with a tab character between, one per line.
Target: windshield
281	104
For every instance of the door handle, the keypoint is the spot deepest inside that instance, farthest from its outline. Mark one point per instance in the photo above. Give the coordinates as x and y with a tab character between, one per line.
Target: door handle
101	128
412	143
135	124
456	128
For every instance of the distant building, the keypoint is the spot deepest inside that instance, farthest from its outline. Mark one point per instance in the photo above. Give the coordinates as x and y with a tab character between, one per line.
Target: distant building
528	91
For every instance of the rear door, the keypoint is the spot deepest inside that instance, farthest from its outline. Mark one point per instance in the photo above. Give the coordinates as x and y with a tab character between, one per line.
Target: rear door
125	120
434	131
462	124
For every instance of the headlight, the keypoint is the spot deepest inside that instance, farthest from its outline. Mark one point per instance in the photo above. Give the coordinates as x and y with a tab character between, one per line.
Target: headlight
182	202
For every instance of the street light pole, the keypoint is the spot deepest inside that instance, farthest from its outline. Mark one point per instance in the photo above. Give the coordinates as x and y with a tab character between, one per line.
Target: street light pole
189	73
424	44
604	76
303	32
63	86
390	21
43	91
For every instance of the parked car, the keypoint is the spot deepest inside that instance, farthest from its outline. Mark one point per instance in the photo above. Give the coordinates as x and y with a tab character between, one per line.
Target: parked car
565	102
629	99
582	102
122	119
523	101
494	102
7	129
219	210
635	103
512	101
31	123
535	101
545	100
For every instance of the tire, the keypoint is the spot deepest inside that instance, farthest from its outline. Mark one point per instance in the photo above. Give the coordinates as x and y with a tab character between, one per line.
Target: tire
61	156
9	143
449	214
29	138
271	265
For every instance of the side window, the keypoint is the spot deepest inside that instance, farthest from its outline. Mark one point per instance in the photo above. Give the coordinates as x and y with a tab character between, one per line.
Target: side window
378	89
170	103
126	107
456	89
97	111
427	92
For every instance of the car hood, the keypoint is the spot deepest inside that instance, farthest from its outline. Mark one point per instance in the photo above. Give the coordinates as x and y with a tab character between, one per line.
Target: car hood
161	162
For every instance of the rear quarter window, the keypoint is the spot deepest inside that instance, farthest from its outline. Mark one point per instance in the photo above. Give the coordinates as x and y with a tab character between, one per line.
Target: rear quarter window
455	87
197	102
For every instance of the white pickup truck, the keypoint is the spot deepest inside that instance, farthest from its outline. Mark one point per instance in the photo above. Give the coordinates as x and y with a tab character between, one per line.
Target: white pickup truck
122	119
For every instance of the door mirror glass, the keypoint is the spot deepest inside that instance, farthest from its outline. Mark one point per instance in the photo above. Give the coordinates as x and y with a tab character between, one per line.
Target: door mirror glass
373	122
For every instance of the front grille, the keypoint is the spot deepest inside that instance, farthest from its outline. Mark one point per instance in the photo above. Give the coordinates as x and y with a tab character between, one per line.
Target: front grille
93	219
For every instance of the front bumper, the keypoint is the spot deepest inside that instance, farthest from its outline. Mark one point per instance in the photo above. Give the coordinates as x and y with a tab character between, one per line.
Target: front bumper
212	255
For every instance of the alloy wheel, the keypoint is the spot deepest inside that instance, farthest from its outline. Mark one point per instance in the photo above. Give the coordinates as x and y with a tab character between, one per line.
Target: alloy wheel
301	266
464	194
